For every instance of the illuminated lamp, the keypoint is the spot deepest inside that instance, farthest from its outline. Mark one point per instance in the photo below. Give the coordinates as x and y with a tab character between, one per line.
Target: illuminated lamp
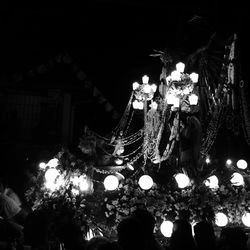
212	182
194	77
145	79
145	182
242	164
176	75
237	179
53	163
246	219
51	174
182	180
193	99
221	219
42	165
136	85
180	67
229	162
167	228
111	182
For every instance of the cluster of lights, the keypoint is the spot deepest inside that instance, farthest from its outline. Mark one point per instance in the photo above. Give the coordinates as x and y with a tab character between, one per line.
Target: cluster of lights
236	178
174	96
55	179
142	92
221	220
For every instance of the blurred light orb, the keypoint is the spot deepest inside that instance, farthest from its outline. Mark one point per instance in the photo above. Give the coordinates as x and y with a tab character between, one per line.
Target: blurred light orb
221	219
212	182
42	165
208	160
51	174
229	162
182	180
167	228
180	67
111	182
193	99
246	219
145	79
237	179
136	85
194	77
145	182
53	163
241	164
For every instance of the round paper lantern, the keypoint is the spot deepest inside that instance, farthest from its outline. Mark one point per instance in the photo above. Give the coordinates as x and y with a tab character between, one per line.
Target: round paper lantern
167	228
246	219
145	182
237	179
221	219
111	182
182	180
242	164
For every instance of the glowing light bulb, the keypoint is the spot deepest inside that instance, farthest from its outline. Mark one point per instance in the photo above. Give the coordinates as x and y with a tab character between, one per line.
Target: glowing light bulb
194	77
193	99
111	182
84	185
53	163
242	164
167	228
212	182
145	79
237	179
246	219
221	219
180	67
42	165
176	75
182	180
51	174
229	162
145	182
208	160
136	85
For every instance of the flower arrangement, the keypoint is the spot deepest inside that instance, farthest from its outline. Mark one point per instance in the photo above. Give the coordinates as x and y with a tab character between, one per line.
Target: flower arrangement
102	210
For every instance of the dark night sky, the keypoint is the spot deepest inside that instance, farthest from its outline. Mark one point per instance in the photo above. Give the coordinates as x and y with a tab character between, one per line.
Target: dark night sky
112	40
